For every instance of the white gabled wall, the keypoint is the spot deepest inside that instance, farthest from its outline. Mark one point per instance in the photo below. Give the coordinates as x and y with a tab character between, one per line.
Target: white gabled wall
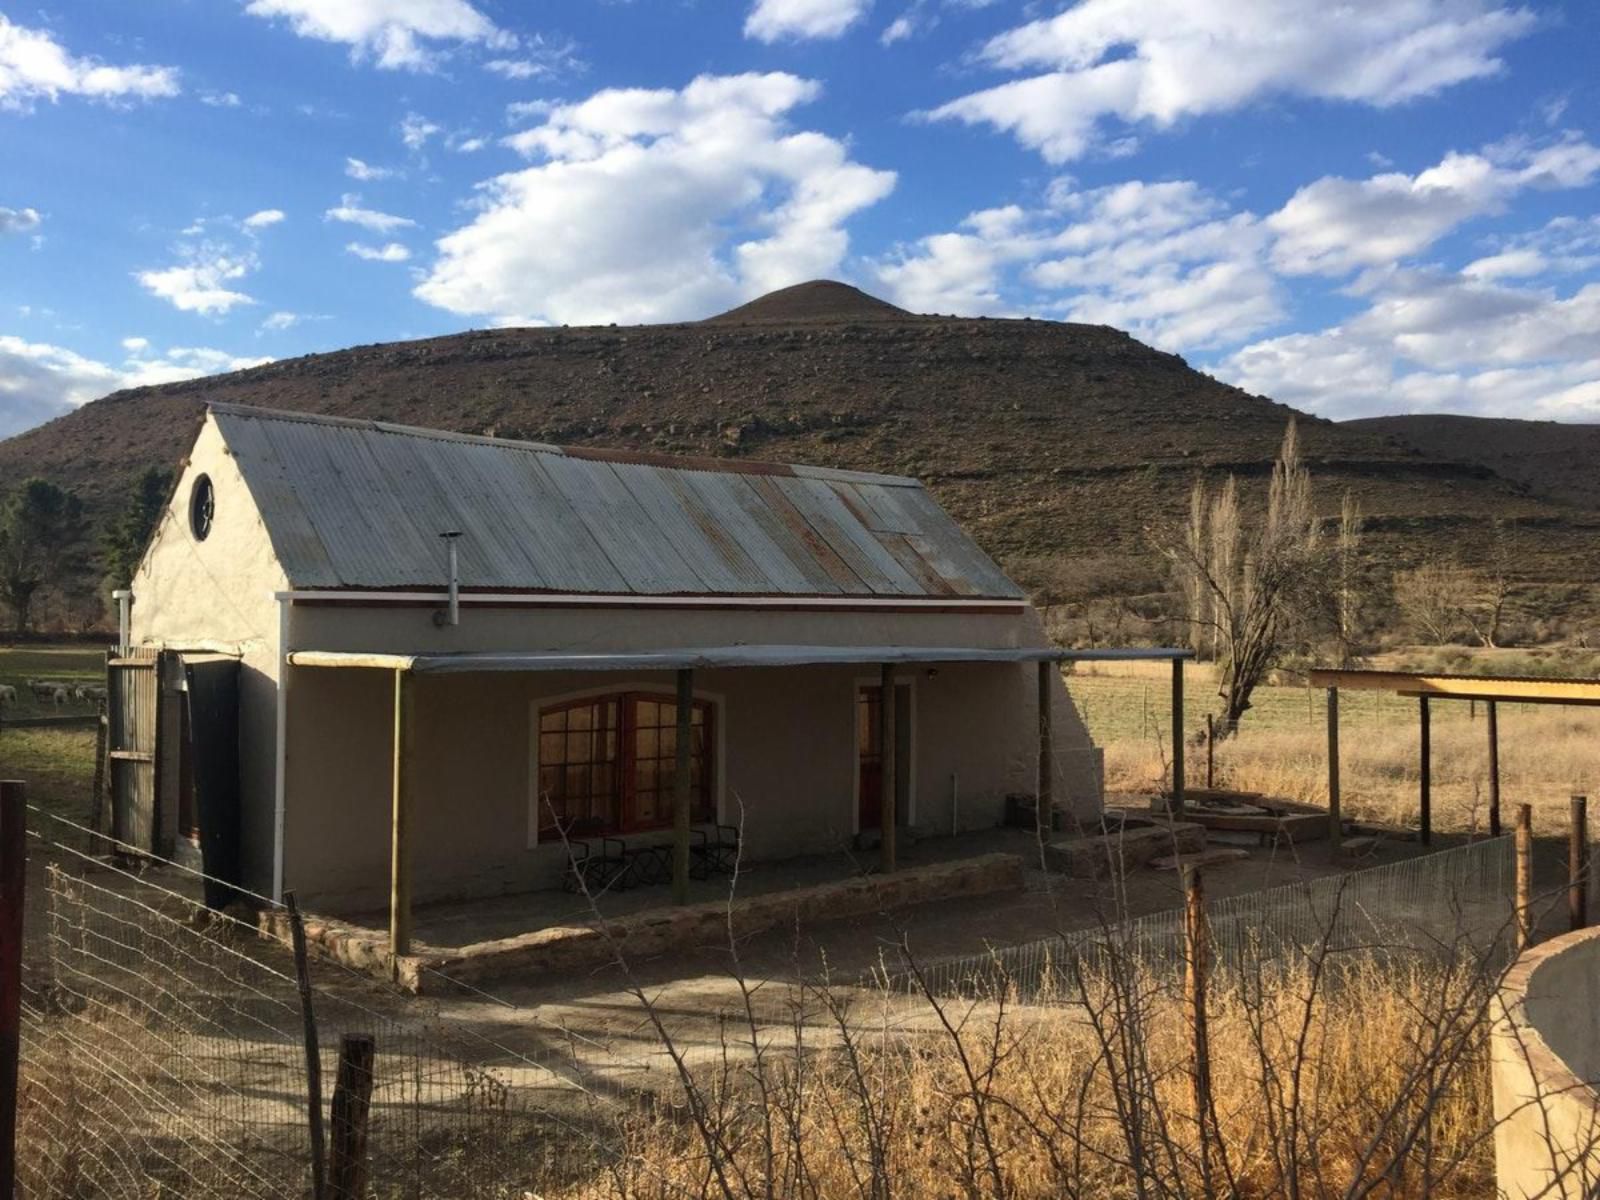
216	595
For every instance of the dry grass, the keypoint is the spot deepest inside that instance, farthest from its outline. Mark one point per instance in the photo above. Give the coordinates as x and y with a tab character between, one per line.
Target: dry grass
1376	1082
1546	755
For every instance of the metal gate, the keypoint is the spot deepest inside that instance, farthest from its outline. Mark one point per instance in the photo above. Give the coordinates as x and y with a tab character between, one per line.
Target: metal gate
133	707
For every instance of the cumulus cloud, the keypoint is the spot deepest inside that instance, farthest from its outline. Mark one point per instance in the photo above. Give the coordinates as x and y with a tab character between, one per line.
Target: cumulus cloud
263	219
19	220
34	66
1157	62
202	282
391	252
350	212
647	205
1166	261
394	34
1338	225
366	172
39	381
779	20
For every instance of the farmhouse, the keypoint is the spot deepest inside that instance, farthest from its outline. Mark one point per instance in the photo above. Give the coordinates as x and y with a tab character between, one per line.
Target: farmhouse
395	664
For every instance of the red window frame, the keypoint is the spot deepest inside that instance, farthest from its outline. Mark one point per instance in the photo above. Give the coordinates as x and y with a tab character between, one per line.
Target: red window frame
637	769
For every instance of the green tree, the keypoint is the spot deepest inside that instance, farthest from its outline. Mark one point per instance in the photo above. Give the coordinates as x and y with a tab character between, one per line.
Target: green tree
126	535
42	535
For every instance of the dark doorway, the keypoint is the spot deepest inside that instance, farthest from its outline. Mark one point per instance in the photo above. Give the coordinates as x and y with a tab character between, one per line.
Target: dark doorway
869	761
210	805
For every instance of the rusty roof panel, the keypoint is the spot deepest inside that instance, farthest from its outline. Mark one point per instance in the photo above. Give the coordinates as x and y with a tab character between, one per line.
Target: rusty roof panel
359	504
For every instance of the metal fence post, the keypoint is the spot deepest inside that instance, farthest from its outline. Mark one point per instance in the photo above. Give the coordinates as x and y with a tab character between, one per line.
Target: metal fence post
302	974
352	1102
1578	864
1524	876
13	883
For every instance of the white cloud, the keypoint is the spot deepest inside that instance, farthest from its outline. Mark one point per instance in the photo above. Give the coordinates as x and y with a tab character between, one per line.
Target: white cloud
220	99
1338	225
350	212
778	20
200	284
649	205
34	66
1160	61
365	172
39	382
1166	261
391	252
539	58
415	130
392	33
266	217
19	220
897	30
1432	340
468	145
279	321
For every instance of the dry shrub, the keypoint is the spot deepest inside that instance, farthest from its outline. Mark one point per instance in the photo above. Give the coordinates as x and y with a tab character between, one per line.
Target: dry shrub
1344	1075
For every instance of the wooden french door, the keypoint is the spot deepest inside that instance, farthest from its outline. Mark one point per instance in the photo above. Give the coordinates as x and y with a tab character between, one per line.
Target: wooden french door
869	757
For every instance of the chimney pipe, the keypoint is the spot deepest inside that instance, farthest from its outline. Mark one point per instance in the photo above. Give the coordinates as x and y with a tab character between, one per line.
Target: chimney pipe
450	537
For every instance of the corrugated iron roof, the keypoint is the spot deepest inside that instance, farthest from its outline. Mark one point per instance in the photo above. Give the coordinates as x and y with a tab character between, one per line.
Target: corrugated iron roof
361	504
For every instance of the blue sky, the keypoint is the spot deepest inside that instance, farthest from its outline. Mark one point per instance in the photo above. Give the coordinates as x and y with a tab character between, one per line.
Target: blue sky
1375	206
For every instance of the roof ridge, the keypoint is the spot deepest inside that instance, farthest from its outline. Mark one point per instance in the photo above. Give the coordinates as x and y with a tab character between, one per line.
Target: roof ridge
674	462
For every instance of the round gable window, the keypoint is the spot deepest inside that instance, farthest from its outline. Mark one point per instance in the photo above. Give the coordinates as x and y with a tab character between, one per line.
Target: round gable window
202	508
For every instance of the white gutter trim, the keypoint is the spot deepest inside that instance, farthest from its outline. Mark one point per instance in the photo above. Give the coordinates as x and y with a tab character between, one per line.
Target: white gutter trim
584	599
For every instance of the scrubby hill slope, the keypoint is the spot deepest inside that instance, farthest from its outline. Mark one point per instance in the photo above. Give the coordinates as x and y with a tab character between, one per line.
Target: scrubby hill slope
1052	442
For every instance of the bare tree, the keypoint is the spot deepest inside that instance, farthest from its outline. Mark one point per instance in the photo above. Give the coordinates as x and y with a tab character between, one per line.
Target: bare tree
1256	575
1429	599
1486	593
1348	592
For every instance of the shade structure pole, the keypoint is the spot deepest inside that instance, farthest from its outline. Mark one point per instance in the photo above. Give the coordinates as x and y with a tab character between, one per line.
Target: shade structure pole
890	786
1425	772
1045	814
1177	736
1335	825
402	815
1494	768
682	789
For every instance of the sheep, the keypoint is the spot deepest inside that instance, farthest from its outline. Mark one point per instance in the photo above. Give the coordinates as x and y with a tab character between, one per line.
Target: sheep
8	695
94	693
43	690
60	697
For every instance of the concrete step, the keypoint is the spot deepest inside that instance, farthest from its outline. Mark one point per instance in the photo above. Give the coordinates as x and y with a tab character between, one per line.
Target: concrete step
1212	856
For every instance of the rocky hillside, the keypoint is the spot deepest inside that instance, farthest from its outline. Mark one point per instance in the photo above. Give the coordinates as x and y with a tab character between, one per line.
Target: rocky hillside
1055	443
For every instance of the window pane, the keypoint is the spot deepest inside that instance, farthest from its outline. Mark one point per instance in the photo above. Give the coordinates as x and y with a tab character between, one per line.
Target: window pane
645	775
553	722
669	715
646	743
581	718
646	712
579	747
669	743
552	748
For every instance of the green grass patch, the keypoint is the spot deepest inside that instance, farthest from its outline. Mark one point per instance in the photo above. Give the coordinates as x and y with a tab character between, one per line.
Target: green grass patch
69	665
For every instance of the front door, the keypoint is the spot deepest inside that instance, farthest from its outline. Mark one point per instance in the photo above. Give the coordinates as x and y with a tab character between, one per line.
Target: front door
869	757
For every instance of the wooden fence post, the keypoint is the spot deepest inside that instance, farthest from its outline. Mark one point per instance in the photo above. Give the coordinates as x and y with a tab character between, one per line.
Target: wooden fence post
1578	865
1493	715
1524	876
352	1101
1211	752
1197	955
13	883
1335	823
1425	773
302	974
1178	777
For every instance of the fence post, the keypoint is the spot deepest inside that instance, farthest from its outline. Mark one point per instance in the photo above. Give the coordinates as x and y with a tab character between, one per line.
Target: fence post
1335	823
1578	864
352	1101
1524	876
13	883
1197	954
302	975
1211	752
1493	716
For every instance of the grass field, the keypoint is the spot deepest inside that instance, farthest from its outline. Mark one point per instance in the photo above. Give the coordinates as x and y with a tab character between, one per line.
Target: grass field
57	764
1547	753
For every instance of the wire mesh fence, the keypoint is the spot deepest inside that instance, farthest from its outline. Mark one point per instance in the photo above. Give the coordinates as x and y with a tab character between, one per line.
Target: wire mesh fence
164	1053
1423	903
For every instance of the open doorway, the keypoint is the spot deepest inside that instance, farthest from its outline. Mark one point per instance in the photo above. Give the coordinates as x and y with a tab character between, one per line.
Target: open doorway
869	758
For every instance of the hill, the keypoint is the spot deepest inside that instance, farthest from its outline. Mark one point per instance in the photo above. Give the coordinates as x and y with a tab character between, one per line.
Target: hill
1058	445
1551	459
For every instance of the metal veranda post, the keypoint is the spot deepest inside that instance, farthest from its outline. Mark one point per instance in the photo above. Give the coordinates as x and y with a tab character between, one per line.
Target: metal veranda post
1492	712
1177	737
1425	770
889	786
402	816
1578	865
1335	825
681	788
